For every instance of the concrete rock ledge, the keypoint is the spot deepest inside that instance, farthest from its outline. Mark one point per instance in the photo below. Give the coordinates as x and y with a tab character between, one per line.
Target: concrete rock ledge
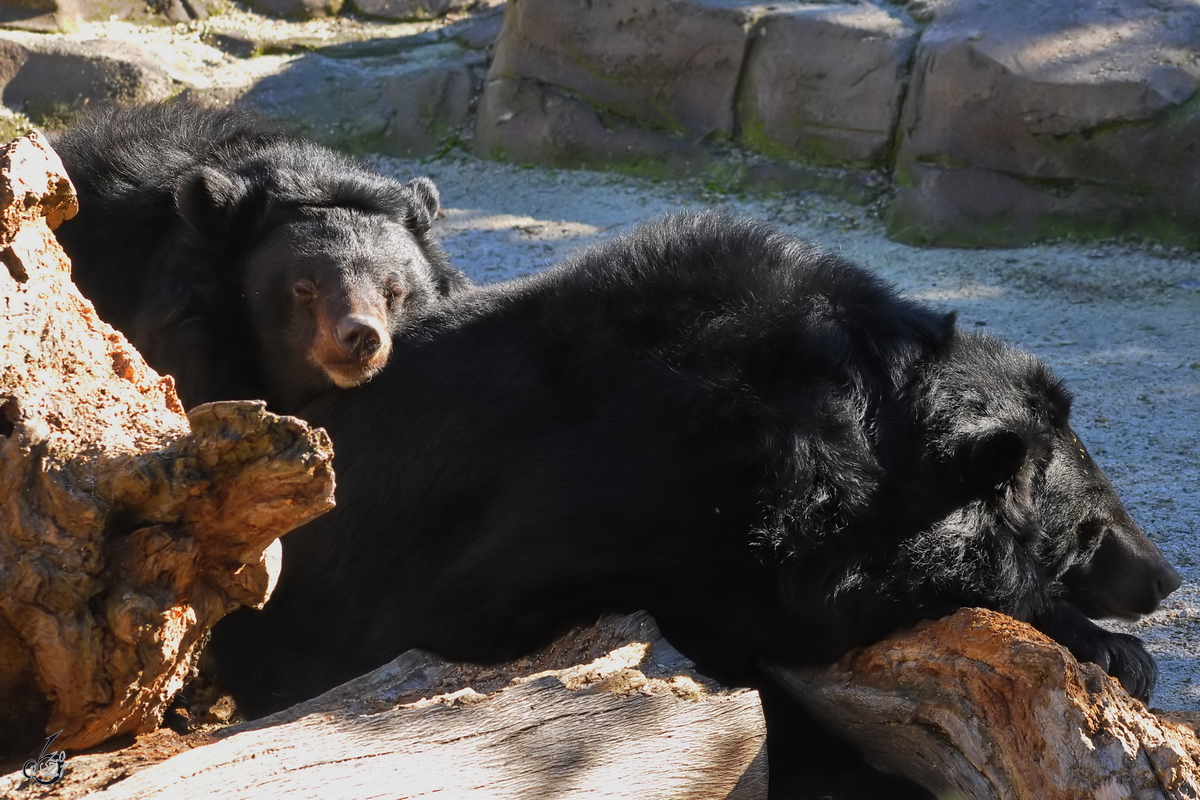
1001	124
971	123
1049	117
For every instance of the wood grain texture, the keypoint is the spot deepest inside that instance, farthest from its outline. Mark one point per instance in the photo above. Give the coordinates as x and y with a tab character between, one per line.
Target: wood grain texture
978	705
127	527
609	711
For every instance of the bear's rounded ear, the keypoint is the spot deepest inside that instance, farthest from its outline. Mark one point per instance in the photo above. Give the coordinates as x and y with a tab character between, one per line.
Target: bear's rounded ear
207	201
424	207
997	458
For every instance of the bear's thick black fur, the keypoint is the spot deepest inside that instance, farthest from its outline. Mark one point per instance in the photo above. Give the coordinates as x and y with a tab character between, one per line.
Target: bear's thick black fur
243	261
759	443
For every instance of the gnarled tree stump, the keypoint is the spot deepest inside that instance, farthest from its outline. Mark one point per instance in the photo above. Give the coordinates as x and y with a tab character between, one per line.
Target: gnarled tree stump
127	528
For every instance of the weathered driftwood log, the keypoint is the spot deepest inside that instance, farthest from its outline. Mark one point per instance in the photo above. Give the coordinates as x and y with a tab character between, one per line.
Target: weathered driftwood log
607	711
126	528
978	705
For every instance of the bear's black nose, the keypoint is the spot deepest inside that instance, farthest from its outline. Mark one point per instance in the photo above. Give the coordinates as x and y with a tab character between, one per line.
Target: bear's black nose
1167	581
358	337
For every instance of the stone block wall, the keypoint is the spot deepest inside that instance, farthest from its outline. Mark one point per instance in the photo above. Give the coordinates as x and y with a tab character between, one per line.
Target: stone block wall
999	123
1068	115
403	103
971	122
823	83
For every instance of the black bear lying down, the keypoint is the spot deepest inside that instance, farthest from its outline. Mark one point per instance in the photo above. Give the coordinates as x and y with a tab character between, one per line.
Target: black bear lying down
242	261
760	444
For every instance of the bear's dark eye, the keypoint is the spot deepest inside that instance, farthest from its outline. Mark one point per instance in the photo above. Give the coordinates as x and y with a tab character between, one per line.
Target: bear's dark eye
305	291
392	294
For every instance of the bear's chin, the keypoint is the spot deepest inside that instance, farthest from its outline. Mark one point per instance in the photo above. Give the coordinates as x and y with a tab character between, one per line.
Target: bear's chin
1101	610
347	377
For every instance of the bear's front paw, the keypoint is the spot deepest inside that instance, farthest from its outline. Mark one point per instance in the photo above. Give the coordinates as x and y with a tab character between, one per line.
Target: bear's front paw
1119	654
1122	656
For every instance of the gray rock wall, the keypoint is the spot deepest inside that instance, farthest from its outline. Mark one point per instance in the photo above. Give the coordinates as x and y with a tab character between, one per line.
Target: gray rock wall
49	79
672	64
1001	123
407	9
297	9
823	84
404	103
973	122
530	123
407	95
1062	115
68	15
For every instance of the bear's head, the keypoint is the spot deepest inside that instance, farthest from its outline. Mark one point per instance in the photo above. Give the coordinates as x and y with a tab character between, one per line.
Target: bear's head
1002	418
329	258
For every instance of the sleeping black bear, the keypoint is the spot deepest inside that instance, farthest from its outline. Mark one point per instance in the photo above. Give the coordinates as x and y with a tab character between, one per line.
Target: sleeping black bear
760	444
242	261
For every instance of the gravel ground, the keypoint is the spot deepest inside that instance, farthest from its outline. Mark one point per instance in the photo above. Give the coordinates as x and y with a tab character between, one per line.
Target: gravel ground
1118	321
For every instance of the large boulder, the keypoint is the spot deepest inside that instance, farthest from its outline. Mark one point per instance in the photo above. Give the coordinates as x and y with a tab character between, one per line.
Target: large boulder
1049	117
408	9
405	103
68	15
670	66
529	123
297	9
822	84
48	78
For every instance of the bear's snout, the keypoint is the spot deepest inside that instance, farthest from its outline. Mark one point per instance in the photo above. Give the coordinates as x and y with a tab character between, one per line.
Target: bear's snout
1150	588
359	337
1127	576
351	341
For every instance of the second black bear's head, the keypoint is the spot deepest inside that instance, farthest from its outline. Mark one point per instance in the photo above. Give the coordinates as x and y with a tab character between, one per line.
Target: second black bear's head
1003	417
326	259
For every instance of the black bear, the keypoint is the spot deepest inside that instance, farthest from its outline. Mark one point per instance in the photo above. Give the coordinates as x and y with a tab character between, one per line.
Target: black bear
762	445
243	261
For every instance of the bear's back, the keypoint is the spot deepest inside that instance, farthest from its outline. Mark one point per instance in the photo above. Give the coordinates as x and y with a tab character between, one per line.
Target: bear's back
720	299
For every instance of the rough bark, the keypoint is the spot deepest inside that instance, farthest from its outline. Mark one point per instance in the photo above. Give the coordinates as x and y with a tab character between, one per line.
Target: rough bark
607	711
980	706
127	528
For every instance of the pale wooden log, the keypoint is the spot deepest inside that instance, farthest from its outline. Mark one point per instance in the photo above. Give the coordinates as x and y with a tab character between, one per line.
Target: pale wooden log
127	528
606	712
978	705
